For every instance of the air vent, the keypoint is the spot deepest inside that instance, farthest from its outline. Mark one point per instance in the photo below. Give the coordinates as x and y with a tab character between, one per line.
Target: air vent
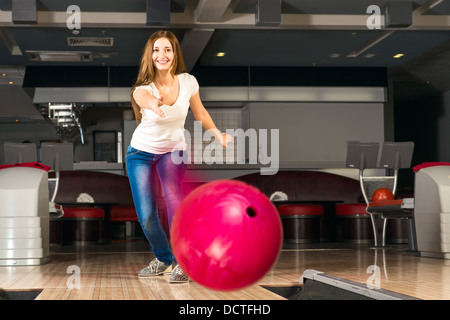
90	41
60	56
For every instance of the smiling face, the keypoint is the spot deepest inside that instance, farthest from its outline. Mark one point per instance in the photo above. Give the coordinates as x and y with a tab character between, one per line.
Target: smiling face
163	55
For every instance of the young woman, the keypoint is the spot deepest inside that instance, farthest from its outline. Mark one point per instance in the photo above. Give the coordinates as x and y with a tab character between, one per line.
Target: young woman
161	98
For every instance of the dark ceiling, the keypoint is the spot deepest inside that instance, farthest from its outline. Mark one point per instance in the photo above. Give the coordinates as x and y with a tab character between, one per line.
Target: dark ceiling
320	33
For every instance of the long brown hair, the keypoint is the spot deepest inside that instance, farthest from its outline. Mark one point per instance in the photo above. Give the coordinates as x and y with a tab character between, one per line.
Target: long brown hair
147	71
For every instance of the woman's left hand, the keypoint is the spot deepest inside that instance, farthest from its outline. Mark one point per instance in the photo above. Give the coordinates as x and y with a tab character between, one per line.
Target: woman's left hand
224	139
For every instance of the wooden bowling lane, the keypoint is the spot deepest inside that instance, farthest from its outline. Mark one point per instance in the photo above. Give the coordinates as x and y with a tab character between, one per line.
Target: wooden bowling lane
112	275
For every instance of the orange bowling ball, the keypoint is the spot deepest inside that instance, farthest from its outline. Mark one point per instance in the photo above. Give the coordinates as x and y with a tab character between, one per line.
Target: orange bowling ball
382	194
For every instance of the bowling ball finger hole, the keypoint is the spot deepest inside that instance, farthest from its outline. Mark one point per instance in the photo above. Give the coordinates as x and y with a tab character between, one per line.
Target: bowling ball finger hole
251	212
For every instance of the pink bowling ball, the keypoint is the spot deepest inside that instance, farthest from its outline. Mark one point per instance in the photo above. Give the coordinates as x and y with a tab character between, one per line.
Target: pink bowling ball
226	235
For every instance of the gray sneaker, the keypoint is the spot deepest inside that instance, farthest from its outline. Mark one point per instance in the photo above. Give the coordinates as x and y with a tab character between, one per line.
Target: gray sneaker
178	275
154	268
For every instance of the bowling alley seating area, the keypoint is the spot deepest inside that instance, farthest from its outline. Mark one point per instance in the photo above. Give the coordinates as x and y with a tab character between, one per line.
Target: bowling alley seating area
320	207
91	199
98	207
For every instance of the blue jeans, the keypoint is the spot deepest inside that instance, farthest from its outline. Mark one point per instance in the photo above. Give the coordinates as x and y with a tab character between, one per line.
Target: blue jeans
143	171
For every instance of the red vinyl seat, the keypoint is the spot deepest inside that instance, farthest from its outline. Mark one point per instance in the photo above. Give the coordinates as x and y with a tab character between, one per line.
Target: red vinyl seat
83	212
300	210
351	209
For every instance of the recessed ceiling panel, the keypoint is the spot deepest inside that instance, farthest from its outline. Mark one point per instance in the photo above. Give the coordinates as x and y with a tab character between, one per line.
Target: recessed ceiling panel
315	47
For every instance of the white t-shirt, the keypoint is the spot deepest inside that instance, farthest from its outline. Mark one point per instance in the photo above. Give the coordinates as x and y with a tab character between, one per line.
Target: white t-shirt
159	135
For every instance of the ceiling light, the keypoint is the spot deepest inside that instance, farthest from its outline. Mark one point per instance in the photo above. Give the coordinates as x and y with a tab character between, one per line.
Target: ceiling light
11	82
3	74
398	55
220	54
369	55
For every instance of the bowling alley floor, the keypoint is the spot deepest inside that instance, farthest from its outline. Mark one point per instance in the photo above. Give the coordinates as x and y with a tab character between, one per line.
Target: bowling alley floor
109	272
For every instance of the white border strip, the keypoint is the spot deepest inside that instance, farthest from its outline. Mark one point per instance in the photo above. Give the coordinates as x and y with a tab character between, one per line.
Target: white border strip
221	94
358	288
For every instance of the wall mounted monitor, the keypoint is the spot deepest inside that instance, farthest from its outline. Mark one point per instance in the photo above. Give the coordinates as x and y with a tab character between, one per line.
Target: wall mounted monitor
397	155
362	155
58	156
15	152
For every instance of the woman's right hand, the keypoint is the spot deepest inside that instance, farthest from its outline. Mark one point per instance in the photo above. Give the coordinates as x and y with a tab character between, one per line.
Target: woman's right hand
154	104
146	100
